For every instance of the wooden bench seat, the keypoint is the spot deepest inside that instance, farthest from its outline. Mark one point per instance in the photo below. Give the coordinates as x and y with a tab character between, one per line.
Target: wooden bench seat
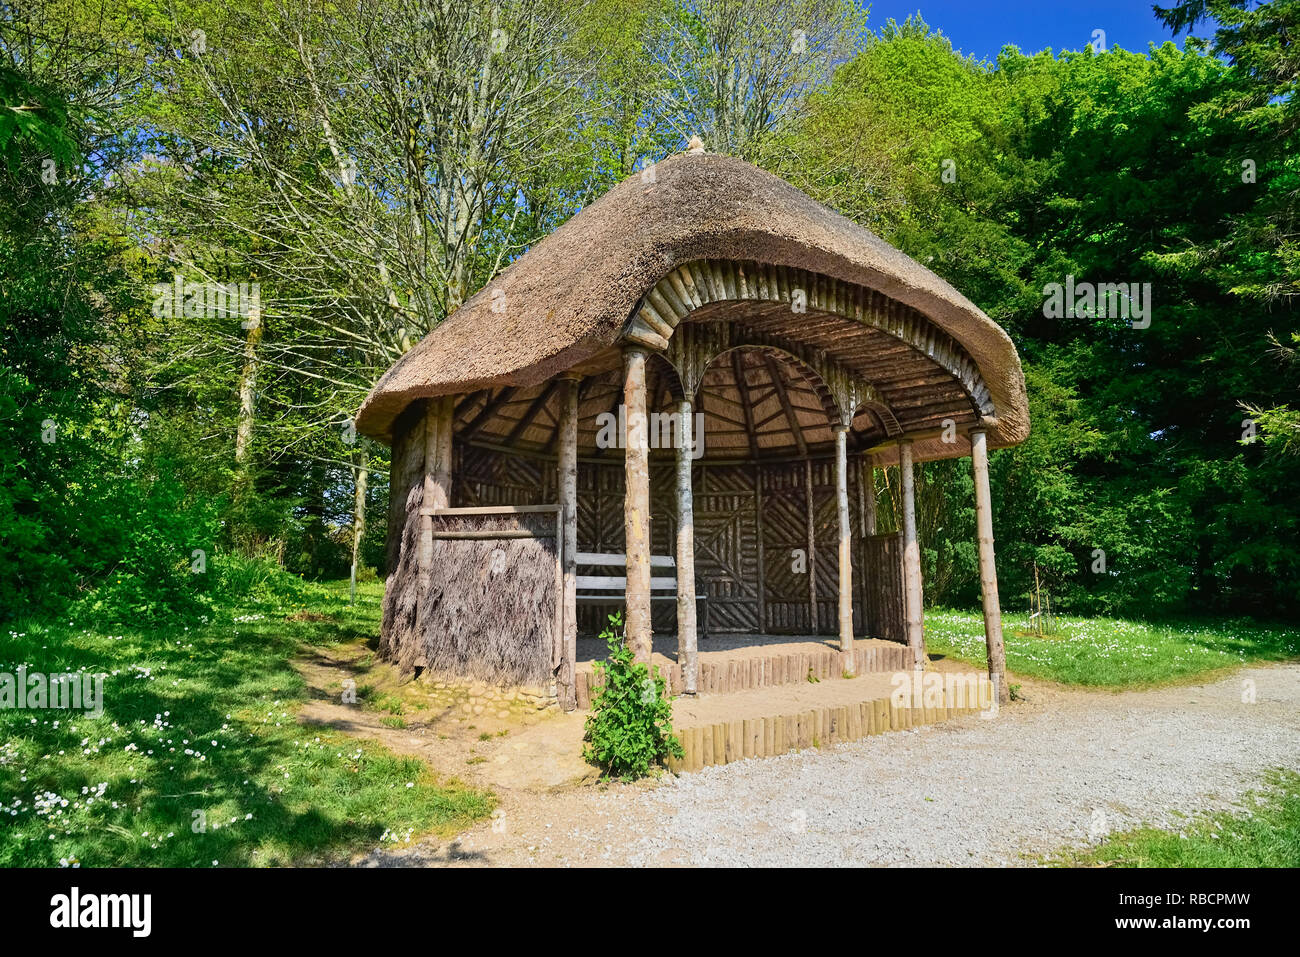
610	589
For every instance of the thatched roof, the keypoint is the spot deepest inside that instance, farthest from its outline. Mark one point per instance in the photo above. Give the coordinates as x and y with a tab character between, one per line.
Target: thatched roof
567	300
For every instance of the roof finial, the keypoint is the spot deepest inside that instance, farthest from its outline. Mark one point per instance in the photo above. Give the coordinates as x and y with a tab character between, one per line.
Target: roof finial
695	146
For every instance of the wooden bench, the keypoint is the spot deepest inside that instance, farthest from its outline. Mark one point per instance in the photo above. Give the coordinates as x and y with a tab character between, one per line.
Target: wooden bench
609	589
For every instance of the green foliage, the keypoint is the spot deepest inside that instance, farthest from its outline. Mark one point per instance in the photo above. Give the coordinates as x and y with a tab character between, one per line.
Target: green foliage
152	548
1114	652
629	729
1263	833
1121	167
203	719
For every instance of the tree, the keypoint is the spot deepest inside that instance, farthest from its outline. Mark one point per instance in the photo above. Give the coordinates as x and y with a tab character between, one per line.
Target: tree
737	68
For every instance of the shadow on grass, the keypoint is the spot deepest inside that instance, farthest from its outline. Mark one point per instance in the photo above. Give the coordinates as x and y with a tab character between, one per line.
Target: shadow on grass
198	758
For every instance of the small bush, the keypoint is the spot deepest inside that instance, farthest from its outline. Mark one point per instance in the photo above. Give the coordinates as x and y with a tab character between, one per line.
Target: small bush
630	727
149	544
262	582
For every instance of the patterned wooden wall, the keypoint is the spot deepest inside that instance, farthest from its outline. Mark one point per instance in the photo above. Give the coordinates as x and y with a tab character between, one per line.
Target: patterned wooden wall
746	519
728	546
884	586
784	514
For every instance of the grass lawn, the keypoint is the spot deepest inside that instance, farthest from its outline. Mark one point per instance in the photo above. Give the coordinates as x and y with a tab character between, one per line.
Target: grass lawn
1112	652
1267	835
197	759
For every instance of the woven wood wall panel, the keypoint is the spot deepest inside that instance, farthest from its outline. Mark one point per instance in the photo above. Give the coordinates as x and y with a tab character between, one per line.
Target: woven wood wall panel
738	530
885	617
484	477
826	523
726	547
785	529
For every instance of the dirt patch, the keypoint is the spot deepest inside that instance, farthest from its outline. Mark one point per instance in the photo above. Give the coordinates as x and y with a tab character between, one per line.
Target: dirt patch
309	616
491	737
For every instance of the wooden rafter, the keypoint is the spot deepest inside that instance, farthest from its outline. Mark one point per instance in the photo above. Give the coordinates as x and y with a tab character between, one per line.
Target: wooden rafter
774	370
490	409
743	387
535	407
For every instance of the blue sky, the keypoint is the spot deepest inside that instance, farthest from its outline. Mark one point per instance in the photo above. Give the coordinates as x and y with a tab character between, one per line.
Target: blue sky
983	27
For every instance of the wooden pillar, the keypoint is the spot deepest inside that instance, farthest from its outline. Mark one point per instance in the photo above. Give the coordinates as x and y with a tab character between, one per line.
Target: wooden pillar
866	527
442	451
436	493
567	482
686	612
636	505
997	653
915	627
846	544
811	562
437	476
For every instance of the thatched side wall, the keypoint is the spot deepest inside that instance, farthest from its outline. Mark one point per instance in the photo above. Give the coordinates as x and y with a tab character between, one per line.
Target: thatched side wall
490	609
406	495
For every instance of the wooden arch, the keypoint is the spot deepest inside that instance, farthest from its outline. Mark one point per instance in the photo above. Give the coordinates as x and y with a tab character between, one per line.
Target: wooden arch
699	283
695	346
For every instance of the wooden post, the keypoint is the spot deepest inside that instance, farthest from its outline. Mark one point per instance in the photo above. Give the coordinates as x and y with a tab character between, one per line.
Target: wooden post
846	545
636	505
424	552
437	476
911	559
979	456
567	480
811	561
437	490
446	406
686	621
866	528
868	485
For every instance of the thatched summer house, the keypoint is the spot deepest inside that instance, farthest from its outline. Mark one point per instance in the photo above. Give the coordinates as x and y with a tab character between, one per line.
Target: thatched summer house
780	353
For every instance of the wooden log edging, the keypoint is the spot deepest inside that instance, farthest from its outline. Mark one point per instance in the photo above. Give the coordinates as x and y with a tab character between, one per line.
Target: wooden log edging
727	741
730	675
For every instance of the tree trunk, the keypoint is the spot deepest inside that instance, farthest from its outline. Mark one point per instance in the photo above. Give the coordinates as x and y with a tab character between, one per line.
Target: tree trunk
247	397
361	471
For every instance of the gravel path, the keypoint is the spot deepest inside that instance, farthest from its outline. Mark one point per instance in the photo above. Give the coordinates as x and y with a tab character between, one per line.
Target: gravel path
985	792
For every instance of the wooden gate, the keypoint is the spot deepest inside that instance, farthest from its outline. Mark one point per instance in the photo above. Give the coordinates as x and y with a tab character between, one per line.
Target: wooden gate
884	586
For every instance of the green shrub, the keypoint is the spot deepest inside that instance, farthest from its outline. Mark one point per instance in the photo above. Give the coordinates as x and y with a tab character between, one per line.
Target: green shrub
261	581
630	726
146	550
